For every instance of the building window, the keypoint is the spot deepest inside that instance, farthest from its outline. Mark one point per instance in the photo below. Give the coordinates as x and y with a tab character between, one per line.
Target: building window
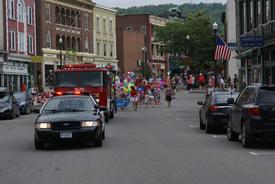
104	25
97	24
143	29
29	15
11	13
105	49
268	10
48	13
98	48
259	12
30	44
244	18
87	44
12	45
111	50
86	21
129	28
251	14
20	12
111	26
21	42
48	40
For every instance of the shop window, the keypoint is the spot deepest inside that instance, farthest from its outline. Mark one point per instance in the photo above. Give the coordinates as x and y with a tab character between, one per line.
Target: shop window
273	55
267	56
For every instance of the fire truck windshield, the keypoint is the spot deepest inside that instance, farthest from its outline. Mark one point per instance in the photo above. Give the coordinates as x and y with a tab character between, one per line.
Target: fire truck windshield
78	79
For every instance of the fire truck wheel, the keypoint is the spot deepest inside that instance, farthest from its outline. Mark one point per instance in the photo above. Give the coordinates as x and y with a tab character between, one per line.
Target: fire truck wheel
112	114
106	118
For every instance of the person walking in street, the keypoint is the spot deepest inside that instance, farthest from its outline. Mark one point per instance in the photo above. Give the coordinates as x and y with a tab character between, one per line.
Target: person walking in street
235	81
134	97
201	80
168	95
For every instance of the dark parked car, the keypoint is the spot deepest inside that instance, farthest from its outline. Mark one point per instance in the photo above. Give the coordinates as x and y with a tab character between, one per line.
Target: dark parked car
214	111
253	115
69	118
24	101
9	107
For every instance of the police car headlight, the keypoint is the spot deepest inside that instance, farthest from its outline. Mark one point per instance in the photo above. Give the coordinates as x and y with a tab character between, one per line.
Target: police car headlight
43	125
90	124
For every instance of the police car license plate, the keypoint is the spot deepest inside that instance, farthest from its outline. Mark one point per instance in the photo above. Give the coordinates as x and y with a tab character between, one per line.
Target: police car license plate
66	135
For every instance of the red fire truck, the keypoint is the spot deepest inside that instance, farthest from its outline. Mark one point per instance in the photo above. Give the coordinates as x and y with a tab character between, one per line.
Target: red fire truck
87	78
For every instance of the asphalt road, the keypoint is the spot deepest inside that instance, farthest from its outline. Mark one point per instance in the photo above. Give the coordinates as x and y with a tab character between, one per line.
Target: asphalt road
151	146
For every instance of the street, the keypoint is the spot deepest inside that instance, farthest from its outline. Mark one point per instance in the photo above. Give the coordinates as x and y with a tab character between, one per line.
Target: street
150	146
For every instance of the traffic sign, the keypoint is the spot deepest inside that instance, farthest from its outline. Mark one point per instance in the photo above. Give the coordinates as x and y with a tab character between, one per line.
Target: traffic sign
252	41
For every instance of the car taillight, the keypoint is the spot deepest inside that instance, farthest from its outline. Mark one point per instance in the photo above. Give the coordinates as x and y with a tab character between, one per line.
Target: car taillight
254	111
59	93
213	108
77	92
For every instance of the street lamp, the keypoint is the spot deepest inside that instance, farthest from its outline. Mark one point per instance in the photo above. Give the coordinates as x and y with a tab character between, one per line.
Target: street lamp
144	50
215	29
60	46
187	39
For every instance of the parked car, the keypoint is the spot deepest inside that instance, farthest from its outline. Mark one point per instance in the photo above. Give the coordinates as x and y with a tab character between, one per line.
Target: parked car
214	111
9	107
253	115
69	118
25	102
3	92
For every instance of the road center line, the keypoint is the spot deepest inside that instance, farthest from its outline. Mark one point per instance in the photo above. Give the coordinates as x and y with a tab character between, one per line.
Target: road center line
193	126
217	136
263	153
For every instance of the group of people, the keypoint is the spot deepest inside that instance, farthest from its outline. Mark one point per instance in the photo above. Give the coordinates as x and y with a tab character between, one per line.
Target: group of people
145	92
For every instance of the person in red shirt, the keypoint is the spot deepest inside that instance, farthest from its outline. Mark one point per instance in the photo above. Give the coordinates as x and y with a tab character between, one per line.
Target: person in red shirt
201	80
134	97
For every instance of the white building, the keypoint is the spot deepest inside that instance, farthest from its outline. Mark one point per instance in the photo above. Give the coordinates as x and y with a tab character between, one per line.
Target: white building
105	48
234	63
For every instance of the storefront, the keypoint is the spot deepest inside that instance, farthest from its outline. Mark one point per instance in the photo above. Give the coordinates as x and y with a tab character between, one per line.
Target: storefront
14	74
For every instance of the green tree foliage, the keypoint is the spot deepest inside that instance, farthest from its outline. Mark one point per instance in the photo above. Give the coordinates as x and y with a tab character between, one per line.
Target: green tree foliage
201	44
213	10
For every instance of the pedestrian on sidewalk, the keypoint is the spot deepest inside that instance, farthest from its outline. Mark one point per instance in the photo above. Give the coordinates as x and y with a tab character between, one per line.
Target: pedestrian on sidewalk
134	97
168	95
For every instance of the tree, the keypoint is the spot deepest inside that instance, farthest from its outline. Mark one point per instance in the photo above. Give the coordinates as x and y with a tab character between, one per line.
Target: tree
201	44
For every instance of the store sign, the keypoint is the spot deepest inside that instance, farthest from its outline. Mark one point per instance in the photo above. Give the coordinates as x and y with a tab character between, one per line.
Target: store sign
15	69
252	41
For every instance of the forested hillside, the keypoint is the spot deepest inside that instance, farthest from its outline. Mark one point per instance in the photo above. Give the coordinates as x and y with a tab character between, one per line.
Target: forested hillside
213	10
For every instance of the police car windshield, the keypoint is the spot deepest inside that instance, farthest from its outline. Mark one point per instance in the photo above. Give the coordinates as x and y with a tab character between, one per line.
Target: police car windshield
68	104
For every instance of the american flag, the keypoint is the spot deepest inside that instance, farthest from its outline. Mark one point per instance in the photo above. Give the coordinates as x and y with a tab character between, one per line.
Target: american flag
222	51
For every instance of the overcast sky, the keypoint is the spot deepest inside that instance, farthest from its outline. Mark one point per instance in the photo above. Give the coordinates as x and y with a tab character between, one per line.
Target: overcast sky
128	3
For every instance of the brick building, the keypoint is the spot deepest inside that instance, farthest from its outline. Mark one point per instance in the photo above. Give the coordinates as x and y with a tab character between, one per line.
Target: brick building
128	53
18	37
146	24
257	18
65	25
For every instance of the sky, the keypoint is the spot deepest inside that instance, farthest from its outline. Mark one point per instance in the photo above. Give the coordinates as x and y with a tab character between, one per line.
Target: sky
129	3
